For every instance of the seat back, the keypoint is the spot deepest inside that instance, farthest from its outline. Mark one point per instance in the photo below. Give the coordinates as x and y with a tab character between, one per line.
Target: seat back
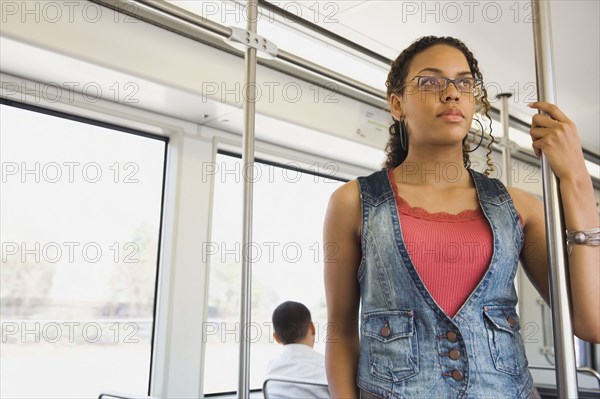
122	395
280	387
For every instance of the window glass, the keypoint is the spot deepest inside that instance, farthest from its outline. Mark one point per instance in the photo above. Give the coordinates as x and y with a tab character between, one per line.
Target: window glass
79	220
287	262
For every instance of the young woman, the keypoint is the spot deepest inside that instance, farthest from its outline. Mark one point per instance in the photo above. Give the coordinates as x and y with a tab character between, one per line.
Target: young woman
429	248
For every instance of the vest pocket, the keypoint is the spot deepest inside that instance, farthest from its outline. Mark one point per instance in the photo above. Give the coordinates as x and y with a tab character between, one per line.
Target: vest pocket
392	346
505	341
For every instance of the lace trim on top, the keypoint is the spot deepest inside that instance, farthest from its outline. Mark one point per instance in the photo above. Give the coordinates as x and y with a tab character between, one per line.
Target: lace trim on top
421	213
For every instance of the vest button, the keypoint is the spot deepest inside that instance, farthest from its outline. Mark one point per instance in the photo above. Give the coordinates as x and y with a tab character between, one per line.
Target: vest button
452	336
457	375
385	331
511	321
454	354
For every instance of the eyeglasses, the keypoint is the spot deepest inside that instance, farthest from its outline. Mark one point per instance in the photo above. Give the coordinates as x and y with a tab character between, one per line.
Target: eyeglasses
440	83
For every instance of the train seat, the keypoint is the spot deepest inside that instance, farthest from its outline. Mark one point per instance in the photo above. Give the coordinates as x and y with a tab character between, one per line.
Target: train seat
280	387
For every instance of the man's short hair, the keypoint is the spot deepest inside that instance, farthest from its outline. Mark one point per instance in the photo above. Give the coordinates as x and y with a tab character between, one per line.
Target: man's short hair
291	321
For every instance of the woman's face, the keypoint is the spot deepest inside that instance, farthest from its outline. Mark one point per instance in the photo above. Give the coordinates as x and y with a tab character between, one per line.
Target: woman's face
440	117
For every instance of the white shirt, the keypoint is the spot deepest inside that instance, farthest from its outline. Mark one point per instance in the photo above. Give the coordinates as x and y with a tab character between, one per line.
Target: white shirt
297	362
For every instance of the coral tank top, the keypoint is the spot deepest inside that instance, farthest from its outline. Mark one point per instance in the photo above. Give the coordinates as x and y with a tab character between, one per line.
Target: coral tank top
451	253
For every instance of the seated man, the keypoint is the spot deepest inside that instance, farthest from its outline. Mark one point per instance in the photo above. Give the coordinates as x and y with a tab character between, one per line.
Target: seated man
298	361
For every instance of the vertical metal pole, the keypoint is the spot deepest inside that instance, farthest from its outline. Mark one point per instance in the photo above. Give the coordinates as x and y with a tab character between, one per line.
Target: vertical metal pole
248	161
564	350
506	149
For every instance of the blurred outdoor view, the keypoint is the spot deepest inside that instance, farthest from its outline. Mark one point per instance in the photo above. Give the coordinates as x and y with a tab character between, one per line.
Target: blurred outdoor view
79	223
287	262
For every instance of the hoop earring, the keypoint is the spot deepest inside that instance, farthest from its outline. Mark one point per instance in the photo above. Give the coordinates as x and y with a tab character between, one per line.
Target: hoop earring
480	140
403	135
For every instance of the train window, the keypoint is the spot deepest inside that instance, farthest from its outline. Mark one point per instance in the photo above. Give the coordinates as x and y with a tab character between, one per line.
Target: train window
287	261
80	220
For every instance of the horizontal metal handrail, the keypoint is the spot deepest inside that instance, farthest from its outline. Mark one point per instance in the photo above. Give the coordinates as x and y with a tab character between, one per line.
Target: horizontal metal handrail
200	29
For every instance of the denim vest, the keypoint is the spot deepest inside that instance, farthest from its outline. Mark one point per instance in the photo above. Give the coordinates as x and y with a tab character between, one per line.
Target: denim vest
409	347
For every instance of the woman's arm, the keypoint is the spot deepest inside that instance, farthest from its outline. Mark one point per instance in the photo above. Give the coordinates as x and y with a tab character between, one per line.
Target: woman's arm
341	235
557	136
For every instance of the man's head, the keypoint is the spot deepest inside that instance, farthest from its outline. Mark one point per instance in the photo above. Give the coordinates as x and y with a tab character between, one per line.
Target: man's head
293	325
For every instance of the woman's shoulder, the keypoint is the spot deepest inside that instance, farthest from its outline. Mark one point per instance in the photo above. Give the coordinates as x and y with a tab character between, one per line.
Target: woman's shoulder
347	198
523	196
348	194
344	209
526	204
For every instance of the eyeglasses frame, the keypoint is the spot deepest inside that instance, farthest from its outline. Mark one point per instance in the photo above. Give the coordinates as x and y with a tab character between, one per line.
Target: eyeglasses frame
476	83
